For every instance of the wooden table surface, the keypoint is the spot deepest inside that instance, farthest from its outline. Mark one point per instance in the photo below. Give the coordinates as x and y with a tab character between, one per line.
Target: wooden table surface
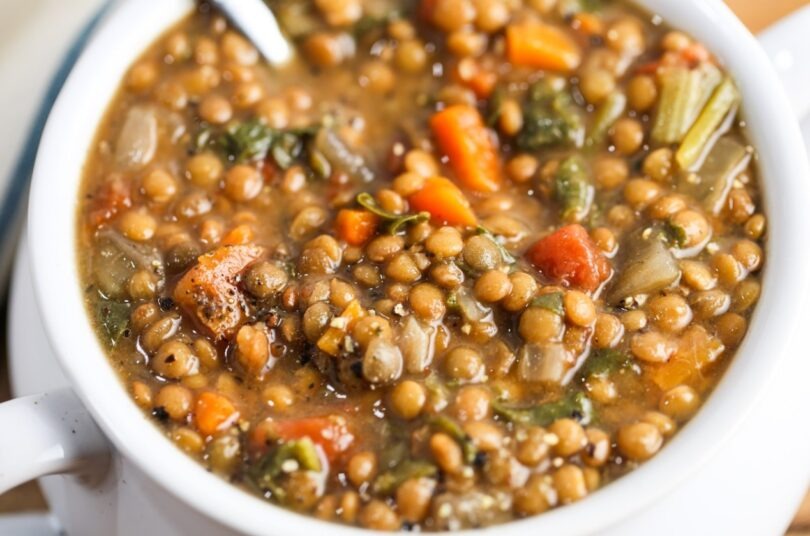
757	14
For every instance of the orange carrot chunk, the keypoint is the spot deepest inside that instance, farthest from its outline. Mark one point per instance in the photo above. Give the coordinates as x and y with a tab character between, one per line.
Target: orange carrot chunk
542	46
208	292
241	234
356	227
569	256
213	413
465	140
446	204
331	433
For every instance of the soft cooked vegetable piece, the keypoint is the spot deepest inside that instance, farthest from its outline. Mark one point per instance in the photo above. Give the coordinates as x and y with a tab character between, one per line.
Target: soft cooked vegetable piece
356	227
213	412
713	181
649	266
209	292
575	405
573	190
550	118
684	92
110	197
341	157
608	112
330	341
117	259
241	234
569	256
446	204
542	46
266	472
696	350
469	146
388	482
246	141
331	433
138	140
545	363
709	125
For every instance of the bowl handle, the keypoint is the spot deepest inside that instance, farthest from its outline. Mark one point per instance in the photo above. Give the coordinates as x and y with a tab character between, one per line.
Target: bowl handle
47	434
787	43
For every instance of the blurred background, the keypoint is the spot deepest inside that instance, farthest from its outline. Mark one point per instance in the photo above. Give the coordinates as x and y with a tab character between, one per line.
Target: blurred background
756	14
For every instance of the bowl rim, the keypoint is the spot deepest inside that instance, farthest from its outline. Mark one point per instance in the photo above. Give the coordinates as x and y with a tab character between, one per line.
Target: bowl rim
66	142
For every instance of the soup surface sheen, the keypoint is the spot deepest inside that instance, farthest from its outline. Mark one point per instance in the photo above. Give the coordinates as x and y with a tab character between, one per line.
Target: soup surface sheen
460	262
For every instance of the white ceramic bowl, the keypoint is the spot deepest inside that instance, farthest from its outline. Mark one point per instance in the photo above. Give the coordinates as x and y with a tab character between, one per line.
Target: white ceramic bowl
196	494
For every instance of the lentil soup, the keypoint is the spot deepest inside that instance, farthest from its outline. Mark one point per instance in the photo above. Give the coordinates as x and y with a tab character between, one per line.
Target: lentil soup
460	262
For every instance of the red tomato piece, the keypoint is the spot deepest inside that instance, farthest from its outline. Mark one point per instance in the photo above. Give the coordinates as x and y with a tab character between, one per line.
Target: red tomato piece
569	256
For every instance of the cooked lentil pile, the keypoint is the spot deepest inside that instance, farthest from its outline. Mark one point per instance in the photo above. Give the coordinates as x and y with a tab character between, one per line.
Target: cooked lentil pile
461	262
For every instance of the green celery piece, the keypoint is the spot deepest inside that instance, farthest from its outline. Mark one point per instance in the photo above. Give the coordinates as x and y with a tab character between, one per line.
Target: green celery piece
684	93
389	481
553	301
713	181
454	430
574	405
573	190
607	114
717	110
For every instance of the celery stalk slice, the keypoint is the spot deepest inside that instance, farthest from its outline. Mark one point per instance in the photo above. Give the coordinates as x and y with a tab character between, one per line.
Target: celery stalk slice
684	93
696	143
610	110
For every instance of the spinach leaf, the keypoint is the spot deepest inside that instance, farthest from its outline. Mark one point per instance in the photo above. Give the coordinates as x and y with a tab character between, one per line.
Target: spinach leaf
454	430
573	190
606	361
550	118
553	301
243	142
575	405
395	221
114	318
266	472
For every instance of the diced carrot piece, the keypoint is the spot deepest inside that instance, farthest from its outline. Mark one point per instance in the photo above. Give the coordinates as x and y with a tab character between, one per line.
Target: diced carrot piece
470	74
588	23
569	256
463	137
213	413
542	46
209	293
241	234
696	350
331	339
331	433
356	227
446	204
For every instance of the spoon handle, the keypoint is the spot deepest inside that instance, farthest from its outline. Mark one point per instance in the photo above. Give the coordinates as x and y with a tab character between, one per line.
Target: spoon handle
257	22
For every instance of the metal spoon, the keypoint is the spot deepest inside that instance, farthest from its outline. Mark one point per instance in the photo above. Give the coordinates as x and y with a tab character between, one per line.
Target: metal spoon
257	22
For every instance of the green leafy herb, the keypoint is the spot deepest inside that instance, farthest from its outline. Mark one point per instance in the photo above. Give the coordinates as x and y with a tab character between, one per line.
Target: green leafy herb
389	481
395	221
550	118
507	257
266	472
573	190
575	405
606	361
114	318
553	301
243	142
454	430
674	235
